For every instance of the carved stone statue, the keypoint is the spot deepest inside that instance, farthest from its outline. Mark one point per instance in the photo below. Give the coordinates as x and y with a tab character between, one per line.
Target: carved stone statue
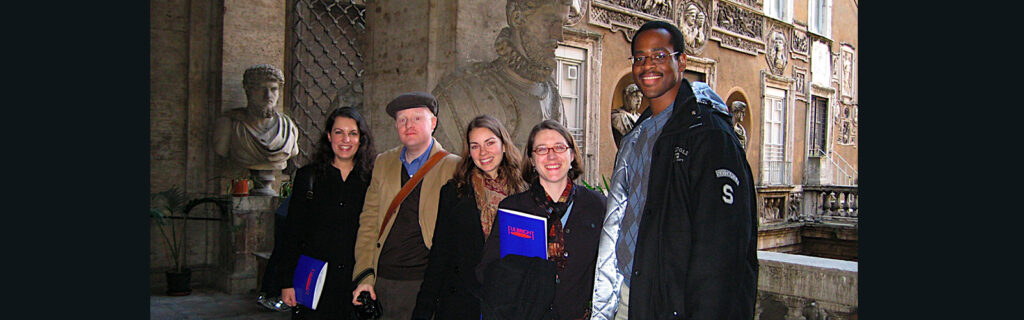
517	87
258	137
777	52
693	27
624	117
737	109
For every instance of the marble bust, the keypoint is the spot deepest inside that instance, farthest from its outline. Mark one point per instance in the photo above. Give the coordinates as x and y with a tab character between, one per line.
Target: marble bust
517	87
737	109
258	137
624	117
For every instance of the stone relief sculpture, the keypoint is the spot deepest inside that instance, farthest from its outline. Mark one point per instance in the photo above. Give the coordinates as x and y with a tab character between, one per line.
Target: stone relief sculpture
847	76
576	11
693	21
517	87
737	20
258	137
738	109
624	117
776	54
648	4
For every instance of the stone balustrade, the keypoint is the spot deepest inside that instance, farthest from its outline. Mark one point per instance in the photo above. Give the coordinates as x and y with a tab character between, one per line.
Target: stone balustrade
795	287
830	203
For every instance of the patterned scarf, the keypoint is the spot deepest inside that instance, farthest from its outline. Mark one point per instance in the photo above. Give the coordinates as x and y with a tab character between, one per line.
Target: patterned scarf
555	210
489	192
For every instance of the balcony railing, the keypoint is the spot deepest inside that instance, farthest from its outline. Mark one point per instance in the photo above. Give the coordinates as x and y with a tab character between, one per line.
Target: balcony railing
830	203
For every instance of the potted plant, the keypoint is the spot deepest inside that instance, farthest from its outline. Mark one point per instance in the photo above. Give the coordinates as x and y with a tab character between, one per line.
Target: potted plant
163	207
240	186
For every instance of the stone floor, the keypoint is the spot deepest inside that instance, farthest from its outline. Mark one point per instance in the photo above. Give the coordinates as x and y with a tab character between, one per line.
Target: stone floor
210	304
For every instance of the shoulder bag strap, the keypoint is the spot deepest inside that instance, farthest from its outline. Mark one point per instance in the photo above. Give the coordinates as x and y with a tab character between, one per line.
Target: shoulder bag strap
409	185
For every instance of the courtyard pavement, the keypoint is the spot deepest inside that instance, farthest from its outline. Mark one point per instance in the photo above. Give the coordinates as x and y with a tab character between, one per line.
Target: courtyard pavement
210	304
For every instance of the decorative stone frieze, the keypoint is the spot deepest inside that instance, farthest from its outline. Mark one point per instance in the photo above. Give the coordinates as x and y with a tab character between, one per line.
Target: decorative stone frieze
737	43
738	28
753	4
621	16
800	87
800	45
739	20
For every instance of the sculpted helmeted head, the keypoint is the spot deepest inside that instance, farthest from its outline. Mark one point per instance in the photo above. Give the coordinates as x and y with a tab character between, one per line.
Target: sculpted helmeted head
631	97
262	84
536	29
737	109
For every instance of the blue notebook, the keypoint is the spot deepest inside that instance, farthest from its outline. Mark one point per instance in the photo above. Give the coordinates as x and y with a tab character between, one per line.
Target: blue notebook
310	274
522	233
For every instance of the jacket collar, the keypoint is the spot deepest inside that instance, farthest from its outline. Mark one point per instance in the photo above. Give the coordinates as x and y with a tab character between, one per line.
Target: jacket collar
685	105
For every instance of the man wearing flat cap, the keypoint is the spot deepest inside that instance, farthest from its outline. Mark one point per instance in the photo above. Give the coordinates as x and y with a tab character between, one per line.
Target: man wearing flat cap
398	252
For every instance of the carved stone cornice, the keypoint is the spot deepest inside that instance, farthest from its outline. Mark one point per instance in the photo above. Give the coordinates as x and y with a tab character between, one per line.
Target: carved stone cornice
753	4
822	91
707	66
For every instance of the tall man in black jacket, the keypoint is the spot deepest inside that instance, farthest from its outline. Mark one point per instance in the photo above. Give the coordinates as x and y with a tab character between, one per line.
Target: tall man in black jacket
680	235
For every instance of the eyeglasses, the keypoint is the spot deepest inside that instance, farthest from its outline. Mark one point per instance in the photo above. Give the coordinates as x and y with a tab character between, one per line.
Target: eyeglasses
657	58
558	148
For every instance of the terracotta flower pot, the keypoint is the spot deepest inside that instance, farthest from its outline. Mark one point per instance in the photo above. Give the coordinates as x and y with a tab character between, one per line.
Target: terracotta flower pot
240	187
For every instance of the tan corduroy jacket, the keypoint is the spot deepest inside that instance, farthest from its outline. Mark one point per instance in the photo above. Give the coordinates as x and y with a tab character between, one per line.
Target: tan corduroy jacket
384	186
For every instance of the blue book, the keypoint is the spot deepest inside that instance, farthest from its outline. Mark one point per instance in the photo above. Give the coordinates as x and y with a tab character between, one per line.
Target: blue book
522	233
308	281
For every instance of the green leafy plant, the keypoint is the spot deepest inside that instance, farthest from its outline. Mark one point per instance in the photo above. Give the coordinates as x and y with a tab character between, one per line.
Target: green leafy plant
163	206
602	189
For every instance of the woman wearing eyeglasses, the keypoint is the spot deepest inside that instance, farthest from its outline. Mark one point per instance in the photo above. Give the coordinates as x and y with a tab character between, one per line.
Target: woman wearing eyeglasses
489	172
574	214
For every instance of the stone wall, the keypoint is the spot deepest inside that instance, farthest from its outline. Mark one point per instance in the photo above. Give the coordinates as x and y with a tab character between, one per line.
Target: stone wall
801	287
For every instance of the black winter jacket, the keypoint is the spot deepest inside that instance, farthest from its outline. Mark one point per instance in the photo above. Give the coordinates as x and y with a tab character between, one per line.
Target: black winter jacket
324	228
449	282
696	252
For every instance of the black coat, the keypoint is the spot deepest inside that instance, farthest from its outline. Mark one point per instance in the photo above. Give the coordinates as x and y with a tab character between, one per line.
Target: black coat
324	228
696	251
449	280
582	233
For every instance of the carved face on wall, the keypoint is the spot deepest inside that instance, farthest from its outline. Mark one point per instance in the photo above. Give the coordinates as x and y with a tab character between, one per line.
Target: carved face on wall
691	15
779	49
262	97
539	31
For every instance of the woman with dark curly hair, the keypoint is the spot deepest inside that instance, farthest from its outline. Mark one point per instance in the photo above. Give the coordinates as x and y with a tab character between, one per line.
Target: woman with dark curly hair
489	171
323	214
551	162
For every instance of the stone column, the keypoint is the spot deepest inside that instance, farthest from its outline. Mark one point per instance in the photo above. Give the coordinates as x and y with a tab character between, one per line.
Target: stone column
412	43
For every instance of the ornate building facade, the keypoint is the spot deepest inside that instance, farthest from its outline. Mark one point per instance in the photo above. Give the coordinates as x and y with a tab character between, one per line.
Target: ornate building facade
793	63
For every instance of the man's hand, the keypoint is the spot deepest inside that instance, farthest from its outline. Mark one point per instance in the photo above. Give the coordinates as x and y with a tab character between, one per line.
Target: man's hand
355	294
288	296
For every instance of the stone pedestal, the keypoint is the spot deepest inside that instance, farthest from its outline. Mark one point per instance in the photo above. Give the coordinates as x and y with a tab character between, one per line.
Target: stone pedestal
261	183
249	230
